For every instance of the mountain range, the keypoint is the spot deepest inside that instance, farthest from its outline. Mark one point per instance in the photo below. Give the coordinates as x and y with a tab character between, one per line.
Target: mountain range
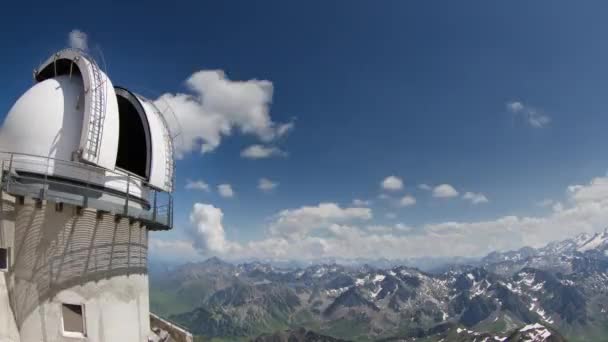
555	293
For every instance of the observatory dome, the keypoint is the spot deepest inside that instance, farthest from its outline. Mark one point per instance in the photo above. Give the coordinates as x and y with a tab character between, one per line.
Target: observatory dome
75	114
46	120
75	138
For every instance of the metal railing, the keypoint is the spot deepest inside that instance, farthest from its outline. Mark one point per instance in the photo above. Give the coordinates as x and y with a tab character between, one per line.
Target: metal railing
117	192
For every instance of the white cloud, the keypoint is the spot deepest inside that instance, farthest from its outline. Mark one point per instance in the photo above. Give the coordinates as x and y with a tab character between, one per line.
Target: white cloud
266	184
197	185
78	40
475	198
382	229
407	201
261	151
390	215
515	106
444	191
225	190
328	230
392	183
593	192
285	128
424	187
217	106
208	231
533	116
547	202
179	250
300	221
557	207
361	203
402	227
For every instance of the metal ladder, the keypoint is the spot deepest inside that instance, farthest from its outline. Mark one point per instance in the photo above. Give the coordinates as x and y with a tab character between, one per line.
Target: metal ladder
169	163
98	110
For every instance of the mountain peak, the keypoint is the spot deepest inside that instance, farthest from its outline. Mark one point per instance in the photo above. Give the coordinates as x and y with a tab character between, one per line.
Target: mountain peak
214	261
596	241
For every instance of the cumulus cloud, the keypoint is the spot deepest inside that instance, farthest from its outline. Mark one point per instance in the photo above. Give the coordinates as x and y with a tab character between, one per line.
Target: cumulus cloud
225	190
392	183
328	230
180	250
403	227
595	191
547	202
424	187
78	40
261	151
383	229
380	229
444	191
475	198
357	202
216	106
531	115
266	185
390	215
299	222
197	185
208	230
407	201
558	206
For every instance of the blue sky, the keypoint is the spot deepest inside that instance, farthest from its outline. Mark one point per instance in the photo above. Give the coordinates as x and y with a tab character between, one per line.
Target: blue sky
504	100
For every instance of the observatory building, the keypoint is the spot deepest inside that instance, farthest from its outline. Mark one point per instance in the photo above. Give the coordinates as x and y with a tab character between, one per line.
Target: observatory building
87	172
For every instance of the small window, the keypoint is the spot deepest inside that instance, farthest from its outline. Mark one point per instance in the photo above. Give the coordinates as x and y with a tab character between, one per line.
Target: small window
3	259
73	319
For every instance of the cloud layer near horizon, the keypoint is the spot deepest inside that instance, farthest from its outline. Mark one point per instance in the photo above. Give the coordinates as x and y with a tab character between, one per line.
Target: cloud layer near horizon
329	230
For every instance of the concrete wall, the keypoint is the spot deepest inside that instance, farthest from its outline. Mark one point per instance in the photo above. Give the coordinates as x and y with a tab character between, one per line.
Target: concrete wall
63	257
8	326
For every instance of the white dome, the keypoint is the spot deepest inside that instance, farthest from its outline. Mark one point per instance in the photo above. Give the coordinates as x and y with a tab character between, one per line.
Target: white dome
74	138
46	120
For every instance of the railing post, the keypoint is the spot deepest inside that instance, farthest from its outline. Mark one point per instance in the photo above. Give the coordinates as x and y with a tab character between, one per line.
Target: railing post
10	163
44	185
170	220
85	197
126	210
155	207
8	172
3	173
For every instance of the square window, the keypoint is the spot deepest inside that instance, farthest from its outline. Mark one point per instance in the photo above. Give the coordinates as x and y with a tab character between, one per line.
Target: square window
3	259
73	319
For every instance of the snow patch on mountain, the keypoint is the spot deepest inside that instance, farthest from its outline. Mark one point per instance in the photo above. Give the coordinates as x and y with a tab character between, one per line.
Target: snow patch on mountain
598	240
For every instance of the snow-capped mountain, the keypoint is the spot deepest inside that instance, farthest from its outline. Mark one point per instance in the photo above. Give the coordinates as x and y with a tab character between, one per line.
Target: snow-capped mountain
599	241
529	294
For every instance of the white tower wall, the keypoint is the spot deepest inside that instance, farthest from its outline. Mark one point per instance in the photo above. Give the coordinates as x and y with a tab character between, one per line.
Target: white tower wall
65	257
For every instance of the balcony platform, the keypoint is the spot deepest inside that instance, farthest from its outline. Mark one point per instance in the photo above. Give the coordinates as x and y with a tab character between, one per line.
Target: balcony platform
82	185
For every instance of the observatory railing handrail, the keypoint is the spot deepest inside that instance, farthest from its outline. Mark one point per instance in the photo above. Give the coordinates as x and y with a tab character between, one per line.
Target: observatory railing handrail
86	185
